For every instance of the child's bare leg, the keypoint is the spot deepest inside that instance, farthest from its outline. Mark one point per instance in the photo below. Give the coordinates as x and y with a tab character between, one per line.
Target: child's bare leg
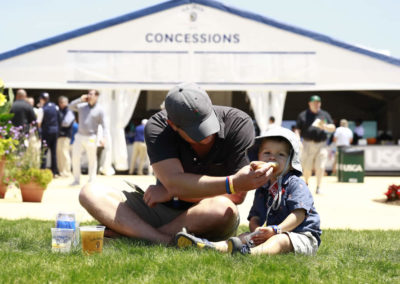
221	246
275	245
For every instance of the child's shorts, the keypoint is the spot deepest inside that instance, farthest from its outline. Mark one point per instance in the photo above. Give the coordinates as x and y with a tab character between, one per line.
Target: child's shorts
303	243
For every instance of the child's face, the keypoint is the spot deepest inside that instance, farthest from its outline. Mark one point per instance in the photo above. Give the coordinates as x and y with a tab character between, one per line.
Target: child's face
274	151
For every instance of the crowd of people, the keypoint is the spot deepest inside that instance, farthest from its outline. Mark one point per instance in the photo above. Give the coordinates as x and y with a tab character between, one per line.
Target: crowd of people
59	132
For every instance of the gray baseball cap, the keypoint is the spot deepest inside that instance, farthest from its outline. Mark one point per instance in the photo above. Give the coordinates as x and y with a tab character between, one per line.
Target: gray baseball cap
189	107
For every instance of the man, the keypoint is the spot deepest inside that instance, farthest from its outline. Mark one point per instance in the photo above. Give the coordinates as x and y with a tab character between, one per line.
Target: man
66	119
49	128
343	137
313	124
22	110
198	153
358	132
90	115
139	150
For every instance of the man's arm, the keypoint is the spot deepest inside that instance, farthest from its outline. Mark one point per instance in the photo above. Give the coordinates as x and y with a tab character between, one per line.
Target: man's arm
74	104
330	127
68	119
31	115
186	185
39	118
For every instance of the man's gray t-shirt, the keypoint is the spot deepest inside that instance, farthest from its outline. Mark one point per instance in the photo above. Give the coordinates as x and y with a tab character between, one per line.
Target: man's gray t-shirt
226	157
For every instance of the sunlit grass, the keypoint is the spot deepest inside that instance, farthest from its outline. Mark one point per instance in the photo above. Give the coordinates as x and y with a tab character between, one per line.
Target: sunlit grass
345	256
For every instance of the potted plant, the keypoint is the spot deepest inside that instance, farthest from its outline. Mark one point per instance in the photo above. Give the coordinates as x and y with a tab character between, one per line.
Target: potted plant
7	148
33	182
8	141
24	169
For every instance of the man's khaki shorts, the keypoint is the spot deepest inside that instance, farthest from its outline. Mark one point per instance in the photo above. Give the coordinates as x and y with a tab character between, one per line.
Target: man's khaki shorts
314	155
162	214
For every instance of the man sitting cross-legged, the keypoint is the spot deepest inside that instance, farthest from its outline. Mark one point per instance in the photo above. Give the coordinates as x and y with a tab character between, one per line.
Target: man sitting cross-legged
196	150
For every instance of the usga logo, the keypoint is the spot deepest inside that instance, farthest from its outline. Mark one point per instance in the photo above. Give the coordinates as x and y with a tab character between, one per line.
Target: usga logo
350	167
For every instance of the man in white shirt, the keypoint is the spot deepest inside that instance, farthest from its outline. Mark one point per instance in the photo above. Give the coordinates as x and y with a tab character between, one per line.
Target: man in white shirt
343	137
90	115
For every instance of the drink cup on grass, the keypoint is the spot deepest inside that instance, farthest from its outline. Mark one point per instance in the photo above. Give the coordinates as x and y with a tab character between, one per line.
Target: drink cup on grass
67	220
92	239
61	239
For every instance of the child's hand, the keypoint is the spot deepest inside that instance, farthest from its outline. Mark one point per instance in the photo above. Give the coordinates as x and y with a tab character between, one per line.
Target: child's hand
262	234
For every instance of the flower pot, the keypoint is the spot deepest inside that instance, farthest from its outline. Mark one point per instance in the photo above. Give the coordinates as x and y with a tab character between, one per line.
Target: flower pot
3	189
31	192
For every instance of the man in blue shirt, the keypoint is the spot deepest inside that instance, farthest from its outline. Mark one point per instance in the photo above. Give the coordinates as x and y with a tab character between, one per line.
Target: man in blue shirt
49	126
139	150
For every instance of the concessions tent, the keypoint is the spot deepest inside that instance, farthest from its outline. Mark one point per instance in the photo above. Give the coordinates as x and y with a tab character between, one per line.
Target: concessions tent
203	41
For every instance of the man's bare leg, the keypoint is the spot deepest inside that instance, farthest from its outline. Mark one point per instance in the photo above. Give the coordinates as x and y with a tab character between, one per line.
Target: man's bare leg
108	207
319	173
210	217
306	175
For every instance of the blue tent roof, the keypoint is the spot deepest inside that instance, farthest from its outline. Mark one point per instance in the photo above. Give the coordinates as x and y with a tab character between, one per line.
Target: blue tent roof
209	3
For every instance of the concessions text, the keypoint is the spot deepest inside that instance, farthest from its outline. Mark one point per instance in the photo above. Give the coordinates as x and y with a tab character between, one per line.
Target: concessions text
192	38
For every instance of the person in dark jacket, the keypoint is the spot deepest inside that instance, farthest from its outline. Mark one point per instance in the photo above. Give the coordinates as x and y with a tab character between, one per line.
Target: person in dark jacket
22	110
66	119
49	126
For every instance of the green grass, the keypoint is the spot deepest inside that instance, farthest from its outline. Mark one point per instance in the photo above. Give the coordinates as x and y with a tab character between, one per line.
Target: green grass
345	256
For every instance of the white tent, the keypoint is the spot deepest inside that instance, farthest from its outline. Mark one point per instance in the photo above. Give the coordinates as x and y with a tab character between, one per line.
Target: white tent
219	47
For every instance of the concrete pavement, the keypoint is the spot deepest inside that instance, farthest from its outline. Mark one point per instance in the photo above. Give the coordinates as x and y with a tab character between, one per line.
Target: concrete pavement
341	205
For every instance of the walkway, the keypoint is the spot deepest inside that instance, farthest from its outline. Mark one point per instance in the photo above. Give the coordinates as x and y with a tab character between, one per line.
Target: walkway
341	205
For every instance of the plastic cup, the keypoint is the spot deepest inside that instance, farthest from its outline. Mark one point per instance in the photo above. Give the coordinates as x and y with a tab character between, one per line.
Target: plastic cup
61	239
248	238
92	239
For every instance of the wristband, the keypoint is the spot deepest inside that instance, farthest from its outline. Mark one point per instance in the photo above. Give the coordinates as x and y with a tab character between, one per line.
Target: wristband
232	190
277	229
228	190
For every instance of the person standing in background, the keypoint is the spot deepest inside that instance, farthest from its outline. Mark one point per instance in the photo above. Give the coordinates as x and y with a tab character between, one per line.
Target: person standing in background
271	124
313	124
49	126
343	137
139	149
90	116
358	132
31	101
66	119
22	110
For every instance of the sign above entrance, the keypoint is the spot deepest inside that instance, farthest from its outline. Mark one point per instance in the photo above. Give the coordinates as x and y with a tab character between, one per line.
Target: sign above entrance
192	38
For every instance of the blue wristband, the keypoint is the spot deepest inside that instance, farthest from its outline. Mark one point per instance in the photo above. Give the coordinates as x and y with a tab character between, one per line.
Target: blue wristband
277	229
228	190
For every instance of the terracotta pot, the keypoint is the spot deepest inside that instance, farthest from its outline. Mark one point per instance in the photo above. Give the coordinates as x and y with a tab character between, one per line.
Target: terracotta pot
31	192
3	187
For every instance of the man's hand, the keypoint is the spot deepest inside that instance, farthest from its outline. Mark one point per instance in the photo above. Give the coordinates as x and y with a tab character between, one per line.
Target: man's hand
102	142
248	178
84	98
156	194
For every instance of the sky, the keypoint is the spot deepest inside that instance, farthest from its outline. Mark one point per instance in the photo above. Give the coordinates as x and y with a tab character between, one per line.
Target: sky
372	24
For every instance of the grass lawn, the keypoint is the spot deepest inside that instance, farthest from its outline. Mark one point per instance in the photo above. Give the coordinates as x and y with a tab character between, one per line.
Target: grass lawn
345	256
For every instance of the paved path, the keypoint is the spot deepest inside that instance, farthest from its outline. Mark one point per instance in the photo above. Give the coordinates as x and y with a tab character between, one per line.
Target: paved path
341	205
